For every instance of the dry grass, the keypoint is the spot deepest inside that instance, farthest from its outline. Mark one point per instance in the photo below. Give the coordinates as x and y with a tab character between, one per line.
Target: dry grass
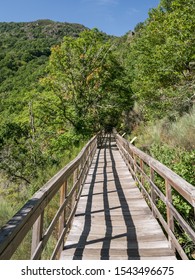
180	133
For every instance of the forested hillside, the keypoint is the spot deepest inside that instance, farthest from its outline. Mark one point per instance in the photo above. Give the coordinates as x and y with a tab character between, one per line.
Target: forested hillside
50	107
24	53
25	48
61	83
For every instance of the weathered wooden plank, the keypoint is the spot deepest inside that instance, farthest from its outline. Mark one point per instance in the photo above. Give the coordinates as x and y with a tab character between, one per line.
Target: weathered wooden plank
119	244
92	257
133	253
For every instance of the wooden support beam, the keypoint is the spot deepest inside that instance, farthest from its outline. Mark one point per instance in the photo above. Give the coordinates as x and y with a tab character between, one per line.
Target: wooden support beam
37	233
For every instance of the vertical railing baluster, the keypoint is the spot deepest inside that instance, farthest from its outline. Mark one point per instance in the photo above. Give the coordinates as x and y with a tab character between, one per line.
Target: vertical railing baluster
62	219
75	178
142	169
37	233
170	220
153	193
134	164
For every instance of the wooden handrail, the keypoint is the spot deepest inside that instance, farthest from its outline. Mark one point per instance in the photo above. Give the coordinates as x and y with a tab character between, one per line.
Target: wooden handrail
32	213
138	162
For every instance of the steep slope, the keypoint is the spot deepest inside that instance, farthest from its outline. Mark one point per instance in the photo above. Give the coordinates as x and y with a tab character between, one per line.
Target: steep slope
25	48
24	53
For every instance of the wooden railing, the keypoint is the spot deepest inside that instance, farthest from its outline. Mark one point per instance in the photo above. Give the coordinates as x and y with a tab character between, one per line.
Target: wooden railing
65	189
147	172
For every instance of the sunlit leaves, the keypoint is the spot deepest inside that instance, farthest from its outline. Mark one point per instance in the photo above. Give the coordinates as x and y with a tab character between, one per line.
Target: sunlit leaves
160	55
87	79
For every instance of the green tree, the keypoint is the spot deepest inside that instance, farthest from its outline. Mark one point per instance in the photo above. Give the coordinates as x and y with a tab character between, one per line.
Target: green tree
166	4
89	82
24	54
159	59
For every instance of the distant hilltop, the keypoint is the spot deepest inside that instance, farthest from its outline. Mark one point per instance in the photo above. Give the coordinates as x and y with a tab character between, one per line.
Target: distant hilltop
25	48
40	28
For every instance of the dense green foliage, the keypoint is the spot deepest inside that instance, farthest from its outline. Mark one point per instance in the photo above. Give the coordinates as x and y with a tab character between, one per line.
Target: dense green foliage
161	60
88	82
25	48
24	53
50	106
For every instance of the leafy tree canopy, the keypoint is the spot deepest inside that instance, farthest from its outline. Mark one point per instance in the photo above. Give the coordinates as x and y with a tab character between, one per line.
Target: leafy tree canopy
160	56
90	84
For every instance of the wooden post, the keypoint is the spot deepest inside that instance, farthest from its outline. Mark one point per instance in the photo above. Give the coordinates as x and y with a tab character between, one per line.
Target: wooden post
142	177
62	219
37	233
134	163
82	170
153	194
170	220
88	157
75	178
142	168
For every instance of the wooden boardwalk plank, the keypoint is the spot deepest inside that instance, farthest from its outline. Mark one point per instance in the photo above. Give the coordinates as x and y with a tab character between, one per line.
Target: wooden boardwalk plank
112	220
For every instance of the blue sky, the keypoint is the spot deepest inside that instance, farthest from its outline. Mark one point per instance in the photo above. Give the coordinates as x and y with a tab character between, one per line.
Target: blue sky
115	17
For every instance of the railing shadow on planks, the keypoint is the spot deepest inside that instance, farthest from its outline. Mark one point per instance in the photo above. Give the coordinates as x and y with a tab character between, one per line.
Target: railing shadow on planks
65	188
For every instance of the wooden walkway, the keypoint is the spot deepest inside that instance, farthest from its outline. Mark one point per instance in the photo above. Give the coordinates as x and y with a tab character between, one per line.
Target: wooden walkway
112	220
